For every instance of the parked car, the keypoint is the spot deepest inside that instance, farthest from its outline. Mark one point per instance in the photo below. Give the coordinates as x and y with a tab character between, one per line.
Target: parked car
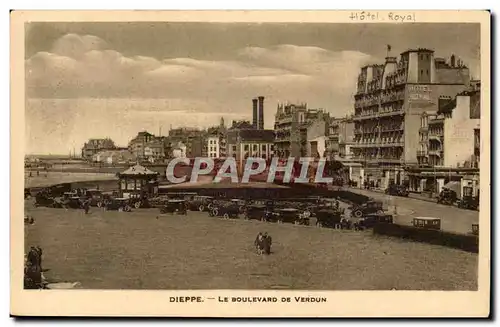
95	197
369	207
397	190
241	204
138	200
73	202
226	209
328	217
175	206
448	197
427	223
290	215
120	204
201	203
371	220
475	229
258	212
468	200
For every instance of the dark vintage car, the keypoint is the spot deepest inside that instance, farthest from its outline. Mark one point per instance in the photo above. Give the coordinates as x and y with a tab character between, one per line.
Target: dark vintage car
369	221
397	190
447	197
367	208
159	201
468	200
138	200
73	202
95	197
289	215
120	204
427	223
43	200
475	229
258	212
201	203
329	217
225	209
174	206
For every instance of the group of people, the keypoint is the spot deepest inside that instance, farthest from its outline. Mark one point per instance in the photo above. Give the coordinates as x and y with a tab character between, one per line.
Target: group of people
263	243
33	273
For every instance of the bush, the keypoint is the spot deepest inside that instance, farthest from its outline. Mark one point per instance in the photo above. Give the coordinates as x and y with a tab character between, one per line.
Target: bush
465	242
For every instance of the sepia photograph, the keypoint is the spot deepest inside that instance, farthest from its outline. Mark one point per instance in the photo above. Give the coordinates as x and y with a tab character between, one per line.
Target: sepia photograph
263	158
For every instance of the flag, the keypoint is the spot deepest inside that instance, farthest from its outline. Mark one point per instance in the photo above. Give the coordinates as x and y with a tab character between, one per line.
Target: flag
389	48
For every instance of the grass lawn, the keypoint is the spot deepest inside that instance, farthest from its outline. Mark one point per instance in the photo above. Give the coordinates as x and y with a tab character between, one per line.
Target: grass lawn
115	250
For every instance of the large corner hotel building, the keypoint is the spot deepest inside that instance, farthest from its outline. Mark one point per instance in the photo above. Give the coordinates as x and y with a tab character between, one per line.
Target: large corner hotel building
389	102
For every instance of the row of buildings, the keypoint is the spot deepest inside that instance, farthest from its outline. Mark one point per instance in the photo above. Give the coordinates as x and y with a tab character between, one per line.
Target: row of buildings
415	122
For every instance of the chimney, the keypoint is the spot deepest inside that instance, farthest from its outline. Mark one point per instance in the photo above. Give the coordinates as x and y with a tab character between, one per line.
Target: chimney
255	113
452	59
261	113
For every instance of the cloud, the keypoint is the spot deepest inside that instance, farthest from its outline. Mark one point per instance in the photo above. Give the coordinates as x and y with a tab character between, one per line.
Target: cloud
85	66
83	88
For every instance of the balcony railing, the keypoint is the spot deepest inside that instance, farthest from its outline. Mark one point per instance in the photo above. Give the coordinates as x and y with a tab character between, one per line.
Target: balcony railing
435	137
435	152
421	153
392	97
379	114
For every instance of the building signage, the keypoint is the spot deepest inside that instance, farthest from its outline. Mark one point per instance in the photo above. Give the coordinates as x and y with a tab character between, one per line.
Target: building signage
418	93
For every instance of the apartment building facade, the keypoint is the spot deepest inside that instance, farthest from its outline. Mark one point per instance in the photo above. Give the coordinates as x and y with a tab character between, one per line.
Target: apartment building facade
389	102
94	146
291	124
450	143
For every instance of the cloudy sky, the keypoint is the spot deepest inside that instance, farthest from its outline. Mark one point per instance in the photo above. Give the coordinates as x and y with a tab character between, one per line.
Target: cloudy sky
113	80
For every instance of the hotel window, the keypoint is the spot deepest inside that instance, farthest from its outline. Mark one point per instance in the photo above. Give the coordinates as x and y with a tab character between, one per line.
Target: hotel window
234	148
264	147
246	147
255	147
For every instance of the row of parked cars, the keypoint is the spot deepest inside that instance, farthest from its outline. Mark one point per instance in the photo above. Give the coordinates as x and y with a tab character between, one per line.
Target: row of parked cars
326	211
78	198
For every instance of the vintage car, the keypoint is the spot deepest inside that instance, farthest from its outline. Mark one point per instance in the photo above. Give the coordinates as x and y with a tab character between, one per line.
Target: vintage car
225	209
73	202
366	208
120	204
397	190
240	203
138	200
201	203
159	201
95	197
468	200
289	215
175	206
329	217
369	221
258	212
475	229
447	197
43	199
427	223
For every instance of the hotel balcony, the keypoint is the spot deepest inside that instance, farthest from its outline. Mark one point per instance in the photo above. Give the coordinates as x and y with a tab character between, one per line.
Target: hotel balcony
421	153
283	120
435	152
392	97
378	115
435	137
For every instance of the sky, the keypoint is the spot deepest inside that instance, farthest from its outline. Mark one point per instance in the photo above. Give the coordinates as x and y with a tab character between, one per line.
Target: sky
93	80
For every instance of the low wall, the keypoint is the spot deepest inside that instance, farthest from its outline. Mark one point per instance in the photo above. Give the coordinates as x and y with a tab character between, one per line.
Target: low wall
465	242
